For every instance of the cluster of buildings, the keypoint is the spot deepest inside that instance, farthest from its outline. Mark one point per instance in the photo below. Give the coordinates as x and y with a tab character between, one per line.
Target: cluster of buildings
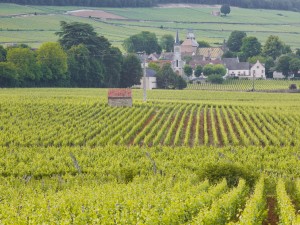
189	52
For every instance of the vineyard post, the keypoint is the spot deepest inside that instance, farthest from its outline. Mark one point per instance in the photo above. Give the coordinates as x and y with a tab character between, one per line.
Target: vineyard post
253	81
143	54
144	77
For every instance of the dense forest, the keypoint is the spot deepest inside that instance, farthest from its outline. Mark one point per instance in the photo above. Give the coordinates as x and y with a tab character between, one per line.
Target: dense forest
293	5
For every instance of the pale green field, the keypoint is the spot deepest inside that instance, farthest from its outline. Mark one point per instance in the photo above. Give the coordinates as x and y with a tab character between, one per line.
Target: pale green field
35	30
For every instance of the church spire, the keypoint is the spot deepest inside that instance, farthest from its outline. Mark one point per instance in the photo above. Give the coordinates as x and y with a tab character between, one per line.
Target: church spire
177	42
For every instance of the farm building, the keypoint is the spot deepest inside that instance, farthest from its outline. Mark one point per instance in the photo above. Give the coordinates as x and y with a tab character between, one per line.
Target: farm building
118	97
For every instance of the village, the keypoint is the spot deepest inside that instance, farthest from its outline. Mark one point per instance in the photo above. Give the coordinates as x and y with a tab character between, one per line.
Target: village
189	53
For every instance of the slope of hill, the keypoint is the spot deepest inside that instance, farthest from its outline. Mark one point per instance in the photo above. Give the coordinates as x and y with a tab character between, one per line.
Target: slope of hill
37	24
292	5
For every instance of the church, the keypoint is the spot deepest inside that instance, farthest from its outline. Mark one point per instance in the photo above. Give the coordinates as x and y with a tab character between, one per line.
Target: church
189	48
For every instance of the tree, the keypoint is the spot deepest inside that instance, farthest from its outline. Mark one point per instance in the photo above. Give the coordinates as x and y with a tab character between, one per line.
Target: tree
105	62
53	61
286	49
198	71
229	54
215	79
251	47
131	73
154	66
269	67
225	9
96	73
283	65
242	56
235	40
166	78
203	44
259	58
113	66
76	33
79	65
219	69
298	52
26	63
187	59
167	42
273	47
144	41
3	54
294	66
8	74
180	83
208	69
188	70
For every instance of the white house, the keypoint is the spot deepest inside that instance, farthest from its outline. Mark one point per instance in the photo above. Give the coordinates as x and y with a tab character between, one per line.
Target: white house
150	79
258	70
235	68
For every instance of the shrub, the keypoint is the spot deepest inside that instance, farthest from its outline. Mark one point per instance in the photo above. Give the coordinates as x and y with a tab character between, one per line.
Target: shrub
215	172
215	79
293	86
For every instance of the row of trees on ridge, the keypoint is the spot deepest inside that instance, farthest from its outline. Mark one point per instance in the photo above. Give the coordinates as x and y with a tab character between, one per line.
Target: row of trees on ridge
293	5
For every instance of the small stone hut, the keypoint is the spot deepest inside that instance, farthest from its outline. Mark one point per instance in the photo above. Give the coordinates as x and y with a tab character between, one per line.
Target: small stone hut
119	97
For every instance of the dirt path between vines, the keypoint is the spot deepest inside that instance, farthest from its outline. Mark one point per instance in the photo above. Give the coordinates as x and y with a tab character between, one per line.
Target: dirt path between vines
272	218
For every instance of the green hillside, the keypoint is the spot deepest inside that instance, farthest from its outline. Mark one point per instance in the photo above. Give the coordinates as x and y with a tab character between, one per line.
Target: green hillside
35	29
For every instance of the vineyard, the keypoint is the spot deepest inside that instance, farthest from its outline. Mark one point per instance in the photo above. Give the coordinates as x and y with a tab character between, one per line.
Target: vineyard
194	158
168	124
19	24
246	85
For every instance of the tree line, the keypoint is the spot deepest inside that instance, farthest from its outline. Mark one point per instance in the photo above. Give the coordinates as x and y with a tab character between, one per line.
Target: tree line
81	58
275	54
293	5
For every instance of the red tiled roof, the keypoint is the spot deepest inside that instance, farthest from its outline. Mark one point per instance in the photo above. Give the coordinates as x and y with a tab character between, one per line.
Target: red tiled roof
120	92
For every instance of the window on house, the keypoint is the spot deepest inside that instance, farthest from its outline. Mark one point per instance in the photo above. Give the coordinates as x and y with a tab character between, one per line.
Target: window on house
262	71
176	63
257	67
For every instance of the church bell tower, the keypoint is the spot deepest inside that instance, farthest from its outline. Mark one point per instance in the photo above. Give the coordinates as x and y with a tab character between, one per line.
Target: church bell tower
177	63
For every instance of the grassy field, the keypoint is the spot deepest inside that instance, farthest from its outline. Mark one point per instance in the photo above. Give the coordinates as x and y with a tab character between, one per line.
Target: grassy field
183	157
37	29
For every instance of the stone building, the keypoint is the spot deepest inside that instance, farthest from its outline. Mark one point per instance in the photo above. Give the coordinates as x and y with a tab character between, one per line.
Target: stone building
120	97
